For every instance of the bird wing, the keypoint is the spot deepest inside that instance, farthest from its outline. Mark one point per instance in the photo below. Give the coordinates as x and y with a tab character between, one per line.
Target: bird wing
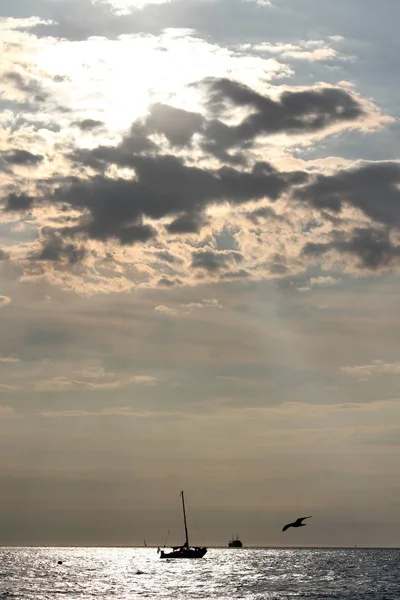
287	526
300	519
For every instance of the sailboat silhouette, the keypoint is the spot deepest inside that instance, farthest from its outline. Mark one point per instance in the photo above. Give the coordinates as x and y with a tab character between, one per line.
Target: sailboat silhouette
184	551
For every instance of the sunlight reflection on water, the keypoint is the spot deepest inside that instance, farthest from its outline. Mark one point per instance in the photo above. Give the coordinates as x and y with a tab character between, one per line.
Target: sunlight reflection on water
273	574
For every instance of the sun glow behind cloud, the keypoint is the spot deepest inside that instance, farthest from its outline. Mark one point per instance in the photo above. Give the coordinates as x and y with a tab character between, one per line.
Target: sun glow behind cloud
115	80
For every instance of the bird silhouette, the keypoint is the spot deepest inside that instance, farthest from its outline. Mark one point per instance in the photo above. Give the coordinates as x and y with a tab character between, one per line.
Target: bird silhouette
297	523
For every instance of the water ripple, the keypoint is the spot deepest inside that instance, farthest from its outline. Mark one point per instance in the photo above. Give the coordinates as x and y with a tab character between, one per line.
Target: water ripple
257	574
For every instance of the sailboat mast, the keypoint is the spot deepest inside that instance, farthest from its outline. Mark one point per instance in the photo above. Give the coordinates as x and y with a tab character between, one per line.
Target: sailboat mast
184	519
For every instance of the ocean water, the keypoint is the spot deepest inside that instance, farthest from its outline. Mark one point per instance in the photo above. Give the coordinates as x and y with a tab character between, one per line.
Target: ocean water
262	574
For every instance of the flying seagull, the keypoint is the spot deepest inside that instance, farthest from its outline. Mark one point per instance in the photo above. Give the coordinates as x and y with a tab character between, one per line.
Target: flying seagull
297	523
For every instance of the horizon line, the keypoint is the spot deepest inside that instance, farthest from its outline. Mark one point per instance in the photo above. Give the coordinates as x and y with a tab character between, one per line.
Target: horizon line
216	547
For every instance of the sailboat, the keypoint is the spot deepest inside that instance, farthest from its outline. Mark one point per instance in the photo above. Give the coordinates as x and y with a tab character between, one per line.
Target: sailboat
184	551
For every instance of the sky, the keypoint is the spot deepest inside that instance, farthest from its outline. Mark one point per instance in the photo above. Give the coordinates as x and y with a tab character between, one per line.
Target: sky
199	271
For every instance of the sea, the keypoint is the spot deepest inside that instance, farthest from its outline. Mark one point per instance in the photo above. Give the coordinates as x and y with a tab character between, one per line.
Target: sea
262	574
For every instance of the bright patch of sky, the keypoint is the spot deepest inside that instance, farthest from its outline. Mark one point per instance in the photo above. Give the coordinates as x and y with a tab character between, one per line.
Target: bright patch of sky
125	6
117	79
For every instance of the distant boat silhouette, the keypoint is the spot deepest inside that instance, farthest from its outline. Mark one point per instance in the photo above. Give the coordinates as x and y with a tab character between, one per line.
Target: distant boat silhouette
235	543
184	551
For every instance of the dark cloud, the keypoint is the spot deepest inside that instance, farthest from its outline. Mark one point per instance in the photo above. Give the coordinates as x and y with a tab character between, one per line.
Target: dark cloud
18	203
163	186
278	269
372	188
165	282
187	223
263	180
116	207
241	274
126	235
55	249
4	255
166	256
88	124
176	124
21	158
294	112
264	212
214	262
30	87
123	155
218	150
371	245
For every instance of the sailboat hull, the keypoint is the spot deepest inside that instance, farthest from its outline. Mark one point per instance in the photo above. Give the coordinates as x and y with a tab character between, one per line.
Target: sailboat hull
184	553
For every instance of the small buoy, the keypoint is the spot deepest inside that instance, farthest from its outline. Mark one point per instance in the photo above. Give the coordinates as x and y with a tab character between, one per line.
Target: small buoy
60	562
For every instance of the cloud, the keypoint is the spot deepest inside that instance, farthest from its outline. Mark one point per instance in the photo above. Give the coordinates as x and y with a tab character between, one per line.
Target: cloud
264	212
9	360
187	223
166	310
56	250
294	112
5	387
30	87
163	186
125	7
4	300
144	379
212	262
318	281
264	3
88	124
123	411
212	303
12	23
18	203
190	166
189	308
323	280
62	383
312	50
373	188
61	373
372	246
6	412
178	125
21	158
112	411
136	141
376	368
